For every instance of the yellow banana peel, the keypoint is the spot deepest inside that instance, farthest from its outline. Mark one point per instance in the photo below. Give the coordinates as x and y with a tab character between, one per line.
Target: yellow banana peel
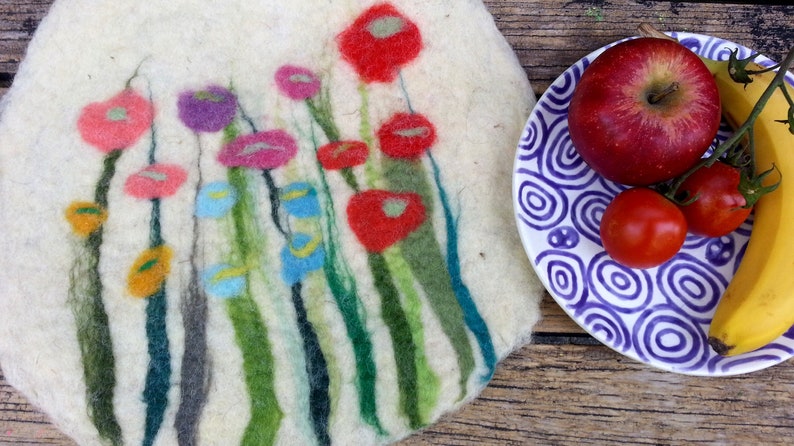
758	304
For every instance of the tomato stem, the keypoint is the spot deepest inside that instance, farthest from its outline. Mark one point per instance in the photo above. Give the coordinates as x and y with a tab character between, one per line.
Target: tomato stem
745	130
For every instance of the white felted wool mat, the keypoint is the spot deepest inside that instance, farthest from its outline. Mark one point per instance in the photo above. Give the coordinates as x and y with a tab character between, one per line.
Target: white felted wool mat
256	222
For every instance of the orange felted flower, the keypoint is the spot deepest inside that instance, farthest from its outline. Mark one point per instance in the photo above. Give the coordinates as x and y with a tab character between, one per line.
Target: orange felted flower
149	271
85	217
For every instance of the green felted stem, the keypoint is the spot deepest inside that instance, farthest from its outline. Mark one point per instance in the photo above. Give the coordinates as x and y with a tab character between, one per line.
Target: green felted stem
93	336
402	339
423	253
472	316
252	338
250	330
93	331
342	284
428	383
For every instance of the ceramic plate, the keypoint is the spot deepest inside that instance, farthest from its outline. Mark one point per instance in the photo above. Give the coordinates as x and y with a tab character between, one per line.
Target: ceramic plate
658	316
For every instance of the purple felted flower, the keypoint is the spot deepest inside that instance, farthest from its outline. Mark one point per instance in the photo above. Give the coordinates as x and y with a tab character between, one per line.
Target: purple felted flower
260	150
297	83
207	110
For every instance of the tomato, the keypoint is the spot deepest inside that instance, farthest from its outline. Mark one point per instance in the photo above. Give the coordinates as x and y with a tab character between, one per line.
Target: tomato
641	228
718	207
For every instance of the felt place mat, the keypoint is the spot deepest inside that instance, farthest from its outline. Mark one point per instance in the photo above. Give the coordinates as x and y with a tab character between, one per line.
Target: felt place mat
256	222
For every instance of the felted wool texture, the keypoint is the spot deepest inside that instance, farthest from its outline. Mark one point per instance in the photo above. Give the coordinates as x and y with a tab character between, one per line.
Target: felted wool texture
260	222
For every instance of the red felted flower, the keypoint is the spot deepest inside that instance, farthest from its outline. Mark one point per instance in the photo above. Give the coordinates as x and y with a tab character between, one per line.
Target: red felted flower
155	181
406	135
381	218
341	154
116	123
261	150
379	42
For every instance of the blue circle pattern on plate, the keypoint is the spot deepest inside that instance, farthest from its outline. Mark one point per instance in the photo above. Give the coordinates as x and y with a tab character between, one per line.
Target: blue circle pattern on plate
658	316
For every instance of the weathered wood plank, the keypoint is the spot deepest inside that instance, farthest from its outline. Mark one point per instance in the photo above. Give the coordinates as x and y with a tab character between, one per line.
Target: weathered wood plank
590	395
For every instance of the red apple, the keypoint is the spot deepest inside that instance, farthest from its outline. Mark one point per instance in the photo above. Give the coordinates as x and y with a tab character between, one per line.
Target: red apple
644	111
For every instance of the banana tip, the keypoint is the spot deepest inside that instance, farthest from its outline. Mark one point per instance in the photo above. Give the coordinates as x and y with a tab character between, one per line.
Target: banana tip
720	347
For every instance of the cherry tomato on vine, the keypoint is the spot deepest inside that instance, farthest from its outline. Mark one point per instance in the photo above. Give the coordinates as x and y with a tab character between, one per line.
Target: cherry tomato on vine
641	228
718	207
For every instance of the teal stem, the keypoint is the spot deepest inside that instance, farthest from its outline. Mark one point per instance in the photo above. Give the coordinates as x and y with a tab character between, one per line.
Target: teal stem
471	314
158	376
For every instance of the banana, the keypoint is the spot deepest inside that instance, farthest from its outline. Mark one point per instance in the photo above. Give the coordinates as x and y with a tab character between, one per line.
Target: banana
758	304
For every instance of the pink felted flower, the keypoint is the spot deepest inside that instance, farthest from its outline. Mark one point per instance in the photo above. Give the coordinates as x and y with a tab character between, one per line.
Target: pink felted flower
406	135
116	123
342	154
155	181
297	83
261	150
379	42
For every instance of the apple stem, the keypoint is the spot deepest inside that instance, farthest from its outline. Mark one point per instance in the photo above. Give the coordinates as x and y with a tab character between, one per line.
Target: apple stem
745	129
655	98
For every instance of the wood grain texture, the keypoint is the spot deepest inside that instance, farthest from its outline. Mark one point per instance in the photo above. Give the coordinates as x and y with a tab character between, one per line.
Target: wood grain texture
563	388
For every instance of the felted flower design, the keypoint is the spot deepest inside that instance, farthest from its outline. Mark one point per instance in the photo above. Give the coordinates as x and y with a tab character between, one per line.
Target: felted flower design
342	154
297	83
379	42
261	150
149	271
224	281
215	200
301	256
85	217
381	218
116	123
207	110
406	135
300	200
155	181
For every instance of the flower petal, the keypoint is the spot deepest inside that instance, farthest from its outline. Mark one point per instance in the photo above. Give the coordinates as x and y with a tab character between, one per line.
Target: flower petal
207	110
261	150
215	200
85	217
149	271
155	181
297	83
117	123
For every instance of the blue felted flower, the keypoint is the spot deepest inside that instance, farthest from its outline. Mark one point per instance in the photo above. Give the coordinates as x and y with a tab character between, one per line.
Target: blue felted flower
300	200
224	281
215	200
303	255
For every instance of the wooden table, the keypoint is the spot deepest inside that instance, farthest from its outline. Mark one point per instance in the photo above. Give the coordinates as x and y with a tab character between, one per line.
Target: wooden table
564	387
